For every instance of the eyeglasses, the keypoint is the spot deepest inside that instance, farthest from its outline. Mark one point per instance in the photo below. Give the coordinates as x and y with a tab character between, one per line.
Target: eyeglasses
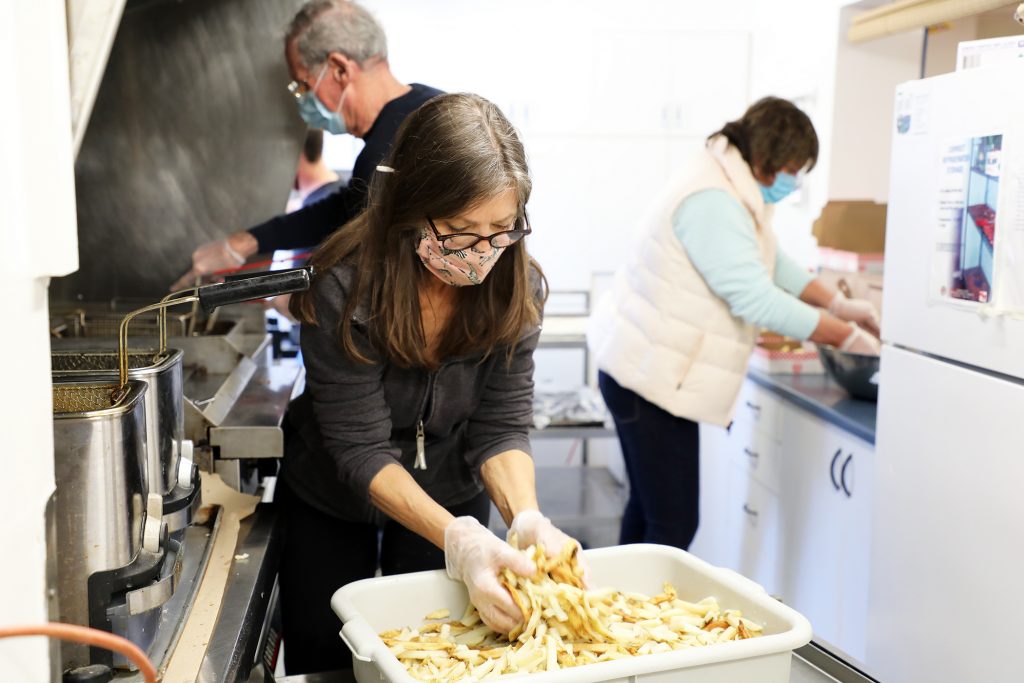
464	240
299	88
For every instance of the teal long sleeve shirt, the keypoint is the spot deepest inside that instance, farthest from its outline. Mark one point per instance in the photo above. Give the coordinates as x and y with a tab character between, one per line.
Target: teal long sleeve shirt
718	235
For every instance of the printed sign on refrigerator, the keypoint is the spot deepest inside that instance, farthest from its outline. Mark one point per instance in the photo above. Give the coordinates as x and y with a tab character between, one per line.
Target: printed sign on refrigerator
963	256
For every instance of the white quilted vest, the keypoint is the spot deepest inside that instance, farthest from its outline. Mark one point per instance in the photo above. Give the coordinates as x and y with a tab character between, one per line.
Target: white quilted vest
660	331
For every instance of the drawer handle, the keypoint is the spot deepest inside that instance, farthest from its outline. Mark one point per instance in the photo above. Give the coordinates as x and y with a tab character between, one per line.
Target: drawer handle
753	406
842	476
750	512
832	469
751	454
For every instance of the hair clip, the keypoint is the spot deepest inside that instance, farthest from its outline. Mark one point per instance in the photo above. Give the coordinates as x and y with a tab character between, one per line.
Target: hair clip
385	169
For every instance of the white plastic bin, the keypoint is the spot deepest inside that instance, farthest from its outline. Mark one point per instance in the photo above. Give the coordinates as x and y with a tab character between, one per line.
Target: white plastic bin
373	605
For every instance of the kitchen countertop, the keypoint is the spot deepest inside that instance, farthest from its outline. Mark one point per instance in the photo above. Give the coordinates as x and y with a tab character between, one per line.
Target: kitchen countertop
817	394
822	397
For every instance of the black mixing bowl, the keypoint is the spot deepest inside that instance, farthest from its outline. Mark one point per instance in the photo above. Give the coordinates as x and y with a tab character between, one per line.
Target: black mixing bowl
854	372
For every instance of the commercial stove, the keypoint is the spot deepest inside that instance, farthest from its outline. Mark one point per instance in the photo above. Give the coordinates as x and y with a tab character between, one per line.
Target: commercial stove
136	420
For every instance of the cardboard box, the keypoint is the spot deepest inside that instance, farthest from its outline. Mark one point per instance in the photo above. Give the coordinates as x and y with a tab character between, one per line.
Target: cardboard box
803	361
851	261
852	226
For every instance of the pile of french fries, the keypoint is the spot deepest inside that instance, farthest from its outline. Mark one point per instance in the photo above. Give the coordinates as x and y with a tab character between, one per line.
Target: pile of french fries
564	626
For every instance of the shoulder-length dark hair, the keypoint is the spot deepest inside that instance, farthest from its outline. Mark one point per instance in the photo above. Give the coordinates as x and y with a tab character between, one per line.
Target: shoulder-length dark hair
452	153
772	134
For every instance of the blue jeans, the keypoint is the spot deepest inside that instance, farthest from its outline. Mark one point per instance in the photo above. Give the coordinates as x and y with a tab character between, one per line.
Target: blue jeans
662	461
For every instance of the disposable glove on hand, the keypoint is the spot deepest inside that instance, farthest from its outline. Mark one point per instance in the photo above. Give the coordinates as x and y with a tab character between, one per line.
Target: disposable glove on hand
475	556
857	311
209	258
859	341
532	527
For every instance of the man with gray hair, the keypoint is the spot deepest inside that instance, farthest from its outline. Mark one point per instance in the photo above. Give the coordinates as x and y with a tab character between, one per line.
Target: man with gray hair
338	58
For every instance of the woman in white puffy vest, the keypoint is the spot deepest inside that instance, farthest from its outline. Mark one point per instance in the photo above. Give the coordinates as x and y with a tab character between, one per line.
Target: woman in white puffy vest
673	337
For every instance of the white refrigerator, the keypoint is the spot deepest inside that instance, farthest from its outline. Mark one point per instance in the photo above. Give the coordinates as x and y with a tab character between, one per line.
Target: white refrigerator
947	555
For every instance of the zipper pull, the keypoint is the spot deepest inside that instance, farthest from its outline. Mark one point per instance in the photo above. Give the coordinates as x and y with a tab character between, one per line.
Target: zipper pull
421	448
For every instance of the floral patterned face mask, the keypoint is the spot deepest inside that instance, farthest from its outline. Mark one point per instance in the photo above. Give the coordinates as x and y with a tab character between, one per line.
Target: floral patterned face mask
461	267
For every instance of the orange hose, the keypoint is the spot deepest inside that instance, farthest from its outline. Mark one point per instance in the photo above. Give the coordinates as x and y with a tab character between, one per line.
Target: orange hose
88	636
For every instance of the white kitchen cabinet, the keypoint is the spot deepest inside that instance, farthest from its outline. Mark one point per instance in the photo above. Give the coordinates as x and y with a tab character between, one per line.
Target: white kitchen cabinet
826	476
752	519
786	501
749	447
714	476
702	81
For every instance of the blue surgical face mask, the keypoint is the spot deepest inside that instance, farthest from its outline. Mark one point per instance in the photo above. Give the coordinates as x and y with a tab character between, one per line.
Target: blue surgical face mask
316	114
784	185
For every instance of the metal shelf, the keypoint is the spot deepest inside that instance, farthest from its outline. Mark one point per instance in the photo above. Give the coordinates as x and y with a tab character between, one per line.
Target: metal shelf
583	431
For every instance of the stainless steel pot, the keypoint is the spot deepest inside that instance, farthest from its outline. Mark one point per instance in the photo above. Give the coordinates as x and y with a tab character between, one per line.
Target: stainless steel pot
169	476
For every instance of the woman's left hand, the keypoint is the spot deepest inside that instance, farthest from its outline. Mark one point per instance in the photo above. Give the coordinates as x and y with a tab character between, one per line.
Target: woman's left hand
531	527
858	311
475	556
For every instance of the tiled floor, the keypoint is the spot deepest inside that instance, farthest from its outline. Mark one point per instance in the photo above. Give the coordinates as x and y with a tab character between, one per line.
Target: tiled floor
585	502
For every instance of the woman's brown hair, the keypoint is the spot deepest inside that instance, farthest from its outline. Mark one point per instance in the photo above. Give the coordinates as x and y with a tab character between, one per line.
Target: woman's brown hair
772	134
449	155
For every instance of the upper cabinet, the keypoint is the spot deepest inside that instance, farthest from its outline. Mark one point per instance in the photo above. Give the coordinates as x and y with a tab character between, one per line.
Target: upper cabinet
689	83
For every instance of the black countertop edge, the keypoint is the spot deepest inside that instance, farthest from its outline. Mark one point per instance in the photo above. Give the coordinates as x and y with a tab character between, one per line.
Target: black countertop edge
832	664
818	395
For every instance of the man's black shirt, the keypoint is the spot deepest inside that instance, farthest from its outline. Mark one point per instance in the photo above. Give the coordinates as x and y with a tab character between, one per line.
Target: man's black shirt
309	226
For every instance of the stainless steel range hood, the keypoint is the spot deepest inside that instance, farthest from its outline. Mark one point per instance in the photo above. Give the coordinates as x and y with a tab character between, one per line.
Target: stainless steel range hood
192	136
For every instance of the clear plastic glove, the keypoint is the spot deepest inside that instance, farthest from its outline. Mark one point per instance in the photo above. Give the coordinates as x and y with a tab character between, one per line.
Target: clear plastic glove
475	556
209	258
857	311
859	341
532	527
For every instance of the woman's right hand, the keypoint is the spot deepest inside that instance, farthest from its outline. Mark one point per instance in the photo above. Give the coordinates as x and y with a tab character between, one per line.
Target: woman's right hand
475	556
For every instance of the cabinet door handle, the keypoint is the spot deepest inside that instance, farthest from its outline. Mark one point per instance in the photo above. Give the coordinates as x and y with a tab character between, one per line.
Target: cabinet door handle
751	454
842	476
750	512
832	469
753	406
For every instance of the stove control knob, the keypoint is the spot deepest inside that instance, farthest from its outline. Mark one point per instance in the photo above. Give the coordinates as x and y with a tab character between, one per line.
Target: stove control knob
153	529
186	463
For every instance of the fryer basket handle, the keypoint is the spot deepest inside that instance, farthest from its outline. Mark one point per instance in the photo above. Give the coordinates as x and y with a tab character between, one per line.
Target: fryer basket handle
254	287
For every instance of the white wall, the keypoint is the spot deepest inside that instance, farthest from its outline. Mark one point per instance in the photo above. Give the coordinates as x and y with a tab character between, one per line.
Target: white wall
940	55
38	231
795	58
609	97
866	78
